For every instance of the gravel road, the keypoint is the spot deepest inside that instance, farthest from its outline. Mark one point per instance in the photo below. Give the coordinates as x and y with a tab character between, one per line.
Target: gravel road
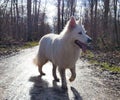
20	80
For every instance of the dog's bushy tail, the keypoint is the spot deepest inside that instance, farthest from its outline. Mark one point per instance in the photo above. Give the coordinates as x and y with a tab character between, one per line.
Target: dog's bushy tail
35	61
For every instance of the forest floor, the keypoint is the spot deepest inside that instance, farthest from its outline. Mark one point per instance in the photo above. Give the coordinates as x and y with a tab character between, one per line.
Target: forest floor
12	48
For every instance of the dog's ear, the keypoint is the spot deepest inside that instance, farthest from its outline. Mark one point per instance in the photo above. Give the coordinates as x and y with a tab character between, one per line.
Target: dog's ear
72	23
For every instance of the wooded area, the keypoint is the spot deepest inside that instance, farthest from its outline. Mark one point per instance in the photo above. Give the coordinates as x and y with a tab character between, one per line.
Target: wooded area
20	21
101	19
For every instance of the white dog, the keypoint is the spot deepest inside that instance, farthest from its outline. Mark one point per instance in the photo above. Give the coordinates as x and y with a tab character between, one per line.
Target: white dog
63	50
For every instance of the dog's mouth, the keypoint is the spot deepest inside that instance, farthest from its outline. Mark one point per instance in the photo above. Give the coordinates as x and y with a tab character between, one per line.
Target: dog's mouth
83	46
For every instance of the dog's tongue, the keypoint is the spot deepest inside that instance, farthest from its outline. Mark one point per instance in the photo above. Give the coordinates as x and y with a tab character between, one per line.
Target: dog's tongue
81	45
84	48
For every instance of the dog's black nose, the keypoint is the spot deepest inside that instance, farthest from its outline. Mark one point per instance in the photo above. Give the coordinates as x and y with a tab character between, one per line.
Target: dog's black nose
89	40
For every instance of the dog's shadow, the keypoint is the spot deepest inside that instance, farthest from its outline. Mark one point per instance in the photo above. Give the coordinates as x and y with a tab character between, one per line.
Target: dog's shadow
42	91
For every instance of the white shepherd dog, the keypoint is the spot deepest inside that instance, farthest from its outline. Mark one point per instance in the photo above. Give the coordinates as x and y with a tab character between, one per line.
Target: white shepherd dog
63	50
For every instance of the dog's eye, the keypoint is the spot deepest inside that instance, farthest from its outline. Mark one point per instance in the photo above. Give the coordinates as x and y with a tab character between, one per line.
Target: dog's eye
80	33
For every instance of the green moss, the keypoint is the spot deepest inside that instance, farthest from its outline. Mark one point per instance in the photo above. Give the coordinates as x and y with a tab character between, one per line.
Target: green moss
104	65
90	54
93	61
109	67
29	44
8	49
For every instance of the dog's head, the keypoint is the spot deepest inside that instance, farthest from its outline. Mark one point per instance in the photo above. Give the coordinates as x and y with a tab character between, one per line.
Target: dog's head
78	33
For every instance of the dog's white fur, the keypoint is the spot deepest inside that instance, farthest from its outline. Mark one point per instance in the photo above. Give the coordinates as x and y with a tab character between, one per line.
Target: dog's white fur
61	49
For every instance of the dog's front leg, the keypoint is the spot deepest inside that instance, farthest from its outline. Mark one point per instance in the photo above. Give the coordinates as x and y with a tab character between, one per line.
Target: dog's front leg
73	76
63	78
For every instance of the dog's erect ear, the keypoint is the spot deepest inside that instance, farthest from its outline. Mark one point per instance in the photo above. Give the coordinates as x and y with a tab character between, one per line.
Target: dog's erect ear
72	23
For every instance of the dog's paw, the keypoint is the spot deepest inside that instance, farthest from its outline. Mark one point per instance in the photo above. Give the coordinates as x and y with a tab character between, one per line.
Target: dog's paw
42	74
57	79
72	79
64	88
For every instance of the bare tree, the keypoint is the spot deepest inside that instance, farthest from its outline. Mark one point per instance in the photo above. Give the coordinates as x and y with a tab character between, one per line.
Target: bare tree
58	14
91	16
35	16
106	7
115	23
17	19
29	22
63	13
105	22
95	21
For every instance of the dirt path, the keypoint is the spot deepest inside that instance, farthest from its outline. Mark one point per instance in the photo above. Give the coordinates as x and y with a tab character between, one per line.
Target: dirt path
19	80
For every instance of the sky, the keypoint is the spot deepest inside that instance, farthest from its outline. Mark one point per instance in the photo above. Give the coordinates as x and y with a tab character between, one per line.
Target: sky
51	9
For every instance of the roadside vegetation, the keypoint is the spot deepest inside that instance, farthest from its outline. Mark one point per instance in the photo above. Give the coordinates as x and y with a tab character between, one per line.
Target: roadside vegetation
6	49
106	60
29	44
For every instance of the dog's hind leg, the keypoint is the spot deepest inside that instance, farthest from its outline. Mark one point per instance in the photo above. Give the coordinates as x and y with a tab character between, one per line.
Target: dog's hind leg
54	73
63	78
40	65
40	70
73	76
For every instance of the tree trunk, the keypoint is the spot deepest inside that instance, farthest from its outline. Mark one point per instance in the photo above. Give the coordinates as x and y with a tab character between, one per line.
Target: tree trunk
29	21
106	7
95	24
17	18
105	21
62	14
11	19
36	17
91	15
115	23
58	22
